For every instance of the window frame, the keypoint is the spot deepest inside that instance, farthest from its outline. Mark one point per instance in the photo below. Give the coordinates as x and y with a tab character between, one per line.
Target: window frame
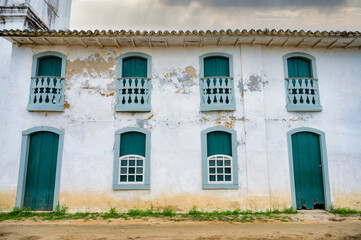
229	107
135	168
34	72
146	170
312	60
229	158
234	170
145	108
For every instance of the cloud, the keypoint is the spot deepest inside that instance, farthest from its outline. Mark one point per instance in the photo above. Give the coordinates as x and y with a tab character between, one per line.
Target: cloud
156	15
258	3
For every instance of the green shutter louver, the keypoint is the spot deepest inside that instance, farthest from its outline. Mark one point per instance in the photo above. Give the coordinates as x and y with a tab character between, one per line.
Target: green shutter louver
219	143
135	67
49	66
298	67
132	143
216	67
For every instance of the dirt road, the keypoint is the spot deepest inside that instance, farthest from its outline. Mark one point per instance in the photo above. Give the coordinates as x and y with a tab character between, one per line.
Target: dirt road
179	230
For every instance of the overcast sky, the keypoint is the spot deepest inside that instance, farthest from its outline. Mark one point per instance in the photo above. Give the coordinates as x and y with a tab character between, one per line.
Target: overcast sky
216	14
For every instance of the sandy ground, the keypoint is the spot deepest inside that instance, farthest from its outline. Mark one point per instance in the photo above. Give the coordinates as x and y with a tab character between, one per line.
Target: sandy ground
162	229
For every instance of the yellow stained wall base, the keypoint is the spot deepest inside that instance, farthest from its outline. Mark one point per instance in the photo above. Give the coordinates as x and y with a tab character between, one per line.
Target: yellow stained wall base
7	200
350	200
103	202
92	201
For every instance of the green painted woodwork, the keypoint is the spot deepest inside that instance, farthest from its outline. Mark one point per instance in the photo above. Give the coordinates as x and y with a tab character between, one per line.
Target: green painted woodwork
49	66
216	82
219	143
132	140
132	143
41	171
134	82
134	67
298	67
325	175
216	66
301	83
47	94
25	146
307	170
300	55
229	148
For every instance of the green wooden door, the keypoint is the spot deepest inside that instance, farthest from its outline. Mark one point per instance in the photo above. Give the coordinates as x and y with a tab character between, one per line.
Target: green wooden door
49	66
134	67
307	170
219	143
41	170
298	67
216	67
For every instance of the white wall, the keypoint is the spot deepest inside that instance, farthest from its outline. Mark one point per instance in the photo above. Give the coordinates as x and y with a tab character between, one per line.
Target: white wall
261	121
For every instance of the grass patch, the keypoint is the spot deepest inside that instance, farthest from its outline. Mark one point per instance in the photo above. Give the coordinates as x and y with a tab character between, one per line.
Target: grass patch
194	214
111	214
344	211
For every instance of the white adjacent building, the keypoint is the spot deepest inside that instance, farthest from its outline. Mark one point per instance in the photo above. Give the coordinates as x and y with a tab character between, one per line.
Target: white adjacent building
218	120
34	15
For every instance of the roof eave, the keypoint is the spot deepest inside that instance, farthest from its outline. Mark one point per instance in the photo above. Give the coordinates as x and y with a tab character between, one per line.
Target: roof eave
130	38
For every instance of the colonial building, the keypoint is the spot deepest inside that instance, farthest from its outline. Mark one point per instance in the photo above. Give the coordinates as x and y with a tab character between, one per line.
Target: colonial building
213	119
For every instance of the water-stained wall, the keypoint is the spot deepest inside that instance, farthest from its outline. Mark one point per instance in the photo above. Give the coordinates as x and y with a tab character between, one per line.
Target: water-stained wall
89	121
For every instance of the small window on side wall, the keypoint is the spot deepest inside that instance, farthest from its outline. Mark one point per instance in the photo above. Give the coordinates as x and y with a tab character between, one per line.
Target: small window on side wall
134	82
216	82
47	82
301	81
219	158
132	159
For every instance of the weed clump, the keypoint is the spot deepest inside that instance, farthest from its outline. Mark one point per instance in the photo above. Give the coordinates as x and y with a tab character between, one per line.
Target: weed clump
111	214
344	211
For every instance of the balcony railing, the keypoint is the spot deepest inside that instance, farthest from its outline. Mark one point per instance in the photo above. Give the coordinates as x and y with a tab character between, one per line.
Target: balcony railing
46	94
133	94
302	94
217	93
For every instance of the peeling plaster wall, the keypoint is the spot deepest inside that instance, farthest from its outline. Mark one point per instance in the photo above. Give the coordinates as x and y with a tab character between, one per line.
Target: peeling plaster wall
261	121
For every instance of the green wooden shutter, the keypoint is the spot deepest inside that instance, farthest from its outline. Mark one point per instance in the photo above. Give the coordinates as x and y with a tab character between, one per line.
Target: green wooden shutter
219	143
298	67
49	66
216	66
307	170
132	143
134	67
41	171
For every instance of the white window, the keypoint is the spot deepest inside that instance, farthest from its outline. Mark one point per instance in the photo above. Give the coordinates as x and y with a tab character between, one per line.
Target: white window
220	169
131	169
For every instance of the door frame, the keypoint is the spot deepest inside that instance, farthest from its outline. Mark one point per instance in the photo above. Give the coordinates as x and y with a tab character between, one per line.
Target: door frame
25	143
324	162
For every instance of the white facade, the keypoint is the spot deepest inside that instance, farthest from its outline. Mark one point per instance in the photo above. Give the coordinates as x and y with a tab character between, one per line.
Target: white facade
261	121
